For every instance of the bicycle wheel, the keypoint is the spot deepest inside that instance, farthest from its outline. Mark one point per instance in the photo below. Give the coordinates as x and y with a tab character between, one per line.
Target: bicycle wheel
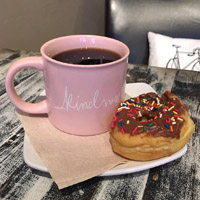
196	66
171	64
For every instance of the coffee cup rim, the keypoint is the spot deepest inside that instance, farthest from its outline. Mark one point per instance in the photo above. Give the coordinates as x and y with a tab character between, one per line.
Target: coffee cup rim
48	43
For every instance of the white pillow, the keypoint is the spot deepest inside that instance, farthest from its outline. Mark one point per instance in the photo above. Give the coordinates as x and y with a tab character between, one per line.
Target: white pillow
162	52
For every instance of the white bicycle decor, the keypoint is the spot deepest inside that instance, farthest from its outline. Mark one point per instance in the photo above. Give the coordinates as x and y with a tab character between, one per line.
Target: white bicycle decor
174	62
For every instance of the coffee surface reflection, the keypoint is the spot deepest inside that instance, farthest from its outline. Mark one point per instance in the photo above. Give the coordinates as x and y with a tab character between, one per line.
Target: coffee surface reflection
87	56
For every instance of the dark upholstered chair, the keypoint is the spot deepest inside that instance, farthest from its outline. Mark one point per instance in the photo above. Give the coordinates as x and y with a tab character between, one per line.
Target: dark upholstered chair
130	20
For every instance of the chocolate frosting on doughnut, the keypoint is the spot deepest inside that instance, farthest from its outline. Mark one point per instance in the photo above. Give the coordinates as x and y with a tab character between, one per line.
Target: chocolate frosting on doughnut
151	114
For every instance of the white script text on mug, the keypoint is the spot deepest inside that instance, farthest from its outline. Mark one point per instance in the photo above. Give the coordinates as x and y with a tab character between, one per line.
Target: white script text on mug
71	102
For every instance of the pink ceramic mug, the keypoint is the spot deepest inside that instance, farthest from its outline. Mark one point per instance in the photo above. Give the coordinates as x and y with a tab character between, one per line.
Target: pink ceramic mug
80	99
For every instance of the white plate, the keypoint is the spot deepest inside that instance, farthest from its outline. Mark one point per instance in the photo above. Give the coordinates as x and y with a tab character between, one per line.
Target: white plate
33	160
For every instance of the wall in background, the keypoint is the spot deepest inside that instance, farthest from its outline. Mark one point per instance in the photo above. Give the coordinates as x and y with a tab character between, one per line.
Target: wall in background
26	24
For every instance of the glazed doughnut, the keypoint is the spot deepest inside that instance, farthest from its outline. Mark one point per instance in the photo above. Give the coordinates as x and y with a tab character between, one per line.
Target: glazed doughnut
148	127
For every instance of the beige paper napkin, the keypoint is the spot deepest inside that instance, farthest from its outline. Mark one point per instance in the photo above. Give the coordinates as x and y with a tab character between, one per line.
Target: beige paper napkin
69	159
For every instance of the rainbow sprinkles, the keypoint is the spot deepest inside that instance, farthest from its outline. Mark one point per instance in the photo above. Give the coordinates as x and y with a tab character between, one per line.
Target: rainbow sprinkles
150	114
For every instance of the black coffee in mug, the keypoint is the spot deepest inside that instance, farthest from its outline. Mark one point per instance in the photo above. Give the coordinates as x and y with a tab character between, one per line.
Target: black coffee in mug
87	56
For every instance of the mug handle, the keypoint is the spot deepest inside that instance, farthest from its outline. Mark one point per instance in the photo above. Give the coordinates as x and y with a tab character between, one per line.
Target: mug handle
34	108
